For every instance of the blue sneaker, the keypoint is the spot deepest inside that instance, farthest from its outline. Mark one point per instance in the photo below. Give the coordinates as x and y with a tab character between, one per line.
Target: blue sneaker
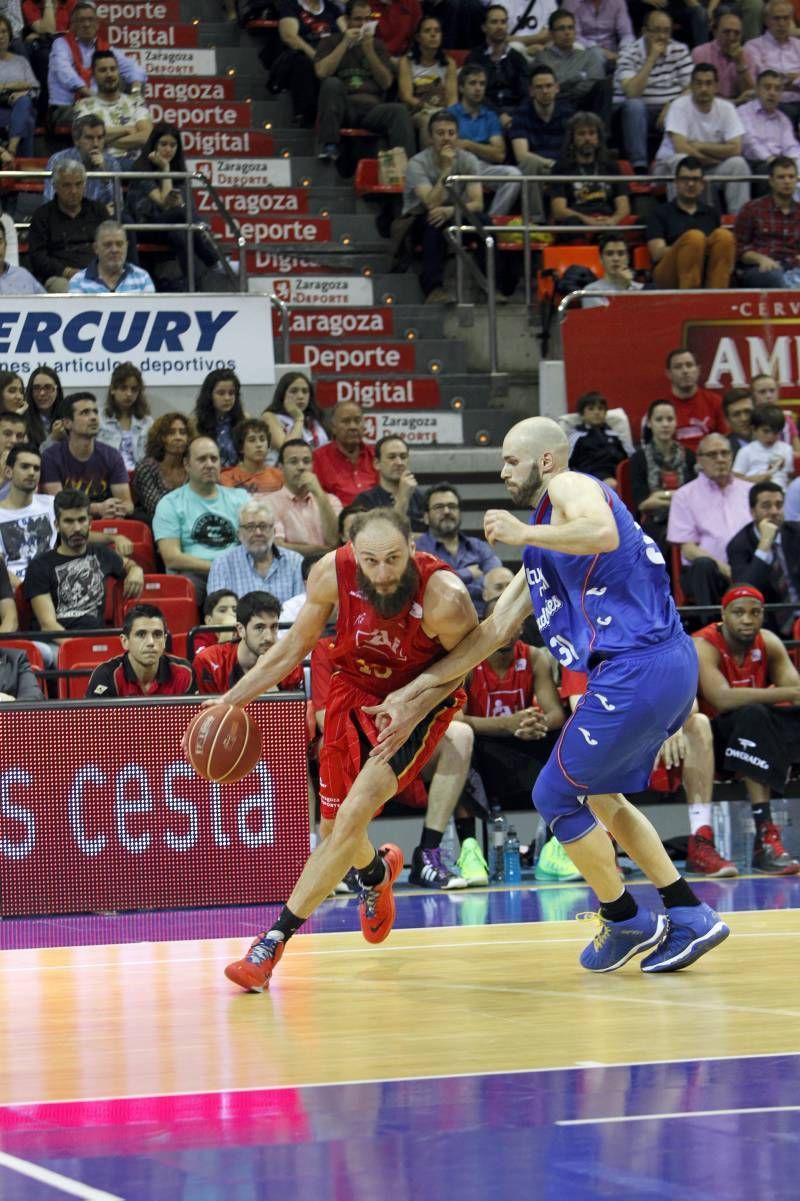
617	942
693	930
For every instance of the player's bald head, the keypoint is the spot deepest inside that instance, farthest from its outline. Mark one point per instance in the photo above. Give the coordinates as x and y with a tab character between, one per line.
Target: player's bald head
535	437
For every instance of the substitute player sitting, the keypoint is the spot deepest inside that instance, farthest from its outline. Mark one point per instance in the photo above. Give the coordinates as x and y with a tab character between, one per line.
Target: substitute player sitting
600	593
399	611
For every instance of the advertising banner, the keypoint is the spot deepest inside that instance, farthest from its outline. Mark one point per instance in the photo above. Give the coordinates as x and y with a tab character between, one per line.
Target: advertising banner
322	291
352	356
183	91
158	36
203	114
241	172
279	228
337	323
620	348
418	429
134	12
175	339
400	394
264	262
254	202
201	143
100	811
176	61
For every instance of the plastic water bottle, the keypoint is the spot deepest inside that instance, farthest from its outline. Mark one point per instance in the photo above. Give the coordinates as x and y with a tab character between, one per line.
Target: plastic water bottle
511	863
448	843
497	843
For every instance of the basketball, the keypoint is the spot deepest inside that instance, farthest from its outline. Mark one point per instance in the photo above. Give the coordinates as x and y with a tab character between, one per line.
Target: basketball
222	743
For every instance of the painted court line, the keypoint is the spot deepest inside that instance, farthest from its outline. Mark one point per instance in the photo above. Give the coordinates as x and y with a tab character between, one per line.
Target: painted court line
73	1188
665	1117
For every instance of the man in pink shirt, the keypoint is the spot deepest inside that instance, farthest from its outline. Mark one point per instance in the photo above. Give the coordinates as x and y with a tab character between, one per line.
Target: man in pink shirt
726	53
603	23
346	466
778	51
308	514
767	131
703	517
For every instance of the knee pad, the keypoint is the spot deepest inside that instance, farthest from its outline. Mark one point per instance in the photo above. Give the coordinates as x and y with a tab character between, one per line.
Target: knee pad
568	816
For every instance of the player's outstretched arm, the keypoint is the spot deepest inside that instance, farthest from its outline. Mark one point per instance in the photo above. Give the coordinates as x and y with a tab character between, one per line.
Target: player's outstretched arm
582	522
321	596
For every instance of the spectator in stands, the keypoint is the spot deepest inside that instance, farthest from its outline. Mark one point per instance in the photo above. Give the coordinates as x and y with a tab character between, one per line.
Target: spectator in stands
219	666
764	390
62	231
145	669
699	410
13	430
507	68
766	554
162	200
89	137
427	199
593	447
480	133
19	90
15	281
307	513
192	523
257	564
356	74
658	468
347	519
495	582
301	28
164	465
125	115
587	201
219	609
17	679
602	23
251	439
779	50
580	70
126	418
470	558
218	409
538	131
293	412
109	270
397	485
751	690
650	73
704	516
737	405
426	77
708	128
726	53
346	465
12	393
766	457
617	274
291	607
768	232
688	246
45	399
69	76
689	18
462	21
27	520
81	461
396	25
66	585
767	131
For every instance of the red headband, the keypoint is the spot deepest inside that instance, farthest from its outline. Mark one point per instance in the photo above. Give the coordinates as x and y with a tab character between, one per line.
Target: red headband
741	591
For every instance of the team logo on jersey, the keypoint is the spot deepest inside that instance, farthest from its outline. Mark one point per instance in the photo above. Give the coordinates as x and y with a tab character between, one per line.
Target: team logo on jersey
415	610
591	741
756	655
379	640
604	621
596	591
605	702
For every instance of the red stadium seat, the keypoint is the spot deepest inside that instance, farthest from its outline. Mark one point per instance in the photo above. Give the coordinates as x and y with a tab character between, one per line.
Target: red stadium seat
30	648
675	572
78	653
366	180
624	483
155	589
180	613
144	549
180	646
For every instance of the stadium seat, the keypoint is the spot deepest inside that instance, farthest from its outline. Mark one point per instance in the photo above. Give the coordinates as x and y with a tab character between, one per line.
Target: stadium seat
180	645
77	653
144	549
366	180
180	613
675	573
30	648
26	185
24	610
155	589
556	259
624	483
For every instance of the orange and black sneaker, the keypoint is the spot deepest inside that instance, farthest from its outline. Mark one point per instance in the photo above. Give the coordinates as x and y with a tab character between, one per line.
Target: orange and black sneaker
254	971
704	858
376	907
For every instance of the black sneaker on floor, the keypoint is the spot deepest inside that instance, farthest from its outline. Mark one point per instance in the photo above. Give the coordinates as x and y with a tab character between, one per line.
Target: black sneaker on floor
428	870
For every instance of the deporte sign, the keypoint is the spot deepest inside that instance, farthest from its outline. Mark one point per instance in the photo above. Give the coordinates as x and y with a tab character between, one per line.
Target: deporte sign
174	339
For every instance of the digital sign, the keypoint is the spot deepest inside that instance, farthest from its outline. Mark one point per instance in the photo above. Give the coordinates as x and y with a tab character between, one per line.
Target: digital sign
99	810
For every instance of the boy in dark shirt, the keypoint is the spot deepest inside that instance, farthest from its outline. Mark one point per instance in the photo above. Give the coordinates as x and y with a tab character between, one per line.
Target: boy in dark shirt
594	449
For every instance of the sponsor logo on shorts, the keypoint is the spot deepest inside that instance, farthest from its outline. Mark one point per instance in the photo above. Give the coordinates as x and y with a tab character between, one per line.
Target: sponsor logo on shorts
754	761
605	702
745	742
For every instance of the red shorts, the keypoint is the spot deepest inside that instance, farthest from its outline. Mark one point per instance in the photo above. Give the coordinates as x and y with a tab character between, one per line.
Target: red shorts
350	733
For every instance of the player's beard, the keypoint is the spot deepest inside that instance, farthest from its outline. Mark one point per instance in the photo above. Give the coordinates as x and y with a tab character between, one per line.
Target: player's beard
389	604
525	494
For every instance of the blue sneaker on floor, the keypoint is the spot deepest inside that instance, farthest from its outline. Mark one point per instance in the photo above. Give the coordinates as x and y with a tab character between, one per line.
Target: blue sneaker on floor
617	942
693	930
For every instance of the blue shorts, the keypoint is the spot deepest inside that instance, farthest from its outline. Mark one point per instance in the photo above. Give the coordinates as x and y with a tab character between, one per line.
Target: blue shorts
633	703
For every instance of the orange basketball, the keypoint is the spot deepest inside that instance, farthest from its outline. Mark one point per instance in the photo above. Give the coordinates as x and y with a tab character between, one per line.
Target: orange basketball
222	743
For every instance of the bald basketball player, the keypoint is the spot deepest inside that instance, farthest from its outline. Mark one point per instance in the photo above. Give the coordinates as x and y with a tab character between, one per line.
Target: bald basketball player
600	594
398	611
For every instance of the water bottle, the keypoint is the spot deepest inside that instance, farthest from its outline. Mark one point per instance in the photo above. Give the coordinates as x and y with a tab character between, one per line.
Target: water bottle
448	843
511	863
497	843
721	825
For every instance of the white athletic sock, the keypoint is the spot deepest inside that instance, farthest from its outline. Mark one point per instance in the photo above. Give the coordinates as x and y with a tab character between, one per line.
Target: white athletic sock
699	815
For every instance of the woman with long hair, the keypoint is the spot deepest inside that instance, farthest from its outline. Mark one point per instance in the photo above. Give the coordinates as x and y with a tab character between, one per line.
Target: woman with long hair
45	397
293	413
12	393
162	468
19	90
218	409
427	79
126	417
658	468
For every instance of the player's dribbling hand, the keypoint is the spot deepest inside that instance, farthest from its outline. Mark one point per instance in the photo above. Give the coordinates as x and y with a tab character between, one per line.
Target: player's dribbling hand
500	526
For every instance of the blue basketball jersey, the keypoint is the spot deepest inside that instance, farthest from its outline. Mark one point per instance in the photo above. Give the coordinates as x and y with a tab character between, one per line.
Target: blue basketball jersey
603	604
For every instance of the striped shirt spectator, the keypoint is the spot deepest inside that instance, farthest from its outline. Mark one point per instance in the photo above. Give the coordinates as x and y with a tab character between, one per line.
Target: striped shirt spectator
132	279
669	75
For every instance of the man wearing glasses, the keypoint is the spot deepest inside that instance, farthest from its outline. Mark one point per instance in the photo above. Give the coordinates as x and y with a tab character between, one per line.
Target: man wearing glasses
688	246
256	564
469	557
704	515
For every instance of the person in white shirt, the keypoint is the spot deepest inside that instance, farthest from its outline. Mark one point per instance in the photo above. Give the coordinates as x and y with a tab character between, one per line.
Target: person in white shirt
708	128
766	457
27	522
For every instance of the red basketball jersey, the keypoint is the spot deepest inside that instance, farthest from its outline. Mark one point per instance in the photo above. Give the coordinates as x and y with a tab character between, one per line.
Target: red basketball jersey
379	654
752	672
491	695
